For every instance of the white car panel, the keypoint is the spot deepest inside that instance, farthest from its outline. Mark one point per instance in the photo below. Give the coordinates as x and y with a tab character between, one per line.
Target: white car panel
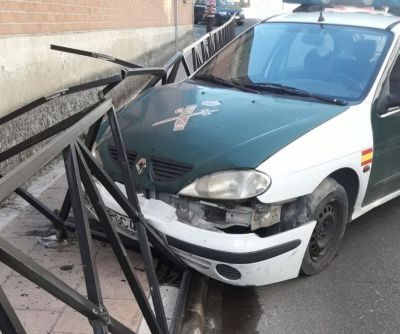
279	268
319	153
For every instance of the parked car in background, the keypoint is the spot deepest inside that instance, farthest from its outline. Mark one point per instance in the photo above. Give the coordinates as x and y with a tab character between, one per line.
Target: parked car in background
225	9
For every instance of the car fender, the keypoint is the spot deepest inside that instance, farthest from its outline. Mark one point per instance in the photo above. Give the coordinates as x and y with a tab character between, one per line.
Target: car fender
297	169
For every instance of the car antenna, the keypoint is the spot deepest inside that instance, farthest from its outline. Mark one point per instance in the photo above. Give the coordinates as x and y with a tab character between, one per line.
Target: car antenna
321	14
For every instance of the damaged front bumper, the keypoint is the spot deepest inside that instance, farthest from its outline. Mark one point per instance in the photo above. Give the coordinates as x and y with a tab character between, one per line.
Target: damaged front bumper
238	259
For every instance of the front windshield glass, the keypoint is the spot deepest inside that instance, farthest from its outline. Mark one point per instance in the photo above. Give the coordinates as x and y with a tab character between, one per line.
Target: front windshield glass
328	60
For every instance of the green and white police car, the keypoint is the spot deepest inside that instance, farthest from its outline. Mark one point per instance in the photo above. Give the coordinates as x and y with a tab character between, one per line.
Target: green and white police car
252	167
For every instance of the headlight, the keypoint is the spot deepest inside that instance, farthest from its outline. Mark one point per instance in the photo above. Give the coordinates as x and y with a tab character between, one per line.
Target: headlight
235	184
223	13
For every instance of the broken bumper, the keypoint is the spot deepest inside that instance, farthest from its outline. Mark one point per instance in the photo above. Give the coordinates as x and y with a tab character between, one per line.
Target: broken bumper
238	259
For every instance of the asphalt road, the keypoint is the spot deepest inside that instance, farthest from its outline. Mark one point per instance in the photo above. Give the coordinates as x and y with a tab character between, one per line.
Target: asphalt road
358	293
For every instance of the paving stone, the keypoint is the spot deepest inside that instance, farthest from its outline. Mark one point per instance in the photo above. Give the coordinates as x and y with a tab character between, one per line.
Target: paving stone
64	263
106	254
112	279
125	311
25	295
72	322
5	272
37	322
23	244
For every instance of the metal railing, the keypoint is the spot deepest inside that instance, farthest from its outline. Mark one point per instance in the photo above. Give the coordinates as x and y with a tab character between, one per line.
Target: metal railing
81	169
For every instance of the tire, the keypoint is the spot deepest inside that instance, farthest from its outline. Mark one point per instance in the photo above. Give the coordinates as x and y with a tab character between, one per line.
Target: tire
328	205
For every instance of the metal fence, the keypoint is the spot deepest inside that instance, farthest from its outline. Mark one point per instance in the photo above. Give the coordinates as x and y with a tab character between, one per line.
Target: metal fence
81	169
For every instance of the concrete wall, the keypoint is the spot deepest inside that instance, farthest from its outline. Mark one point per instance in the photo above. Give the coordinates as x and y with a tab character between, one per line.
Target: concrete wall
29	69
140	31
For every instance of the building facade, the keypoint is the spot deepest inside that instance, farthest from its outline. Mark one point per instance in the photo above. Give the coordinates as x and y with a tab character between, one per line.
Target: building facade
146	32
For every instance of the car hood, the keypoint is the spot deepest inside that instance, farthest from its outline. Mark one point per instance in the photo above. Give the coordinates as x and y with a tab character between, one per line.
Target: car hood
189	129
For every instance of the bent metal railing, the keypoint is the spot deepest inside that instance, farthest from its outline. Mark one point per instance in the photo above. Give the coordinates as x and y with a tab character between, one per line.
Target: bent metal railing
81	171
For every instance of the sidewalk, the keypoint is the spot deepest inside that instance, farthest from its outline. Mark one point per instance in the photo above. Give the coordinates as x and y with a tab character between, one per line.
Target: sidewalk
39	311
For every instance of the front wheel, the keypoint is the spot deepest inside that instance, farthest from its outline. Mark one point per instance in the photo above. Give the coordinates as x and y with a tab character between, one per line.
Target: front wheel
329	207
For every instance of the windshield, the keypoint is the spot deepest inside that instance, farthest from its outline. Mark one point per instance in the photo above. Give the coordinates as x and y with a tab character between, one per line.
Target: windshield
329	60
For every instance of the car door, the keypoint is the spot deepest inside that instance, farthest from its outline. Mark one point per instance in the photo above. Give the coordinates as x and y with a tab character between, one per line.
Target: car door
385	170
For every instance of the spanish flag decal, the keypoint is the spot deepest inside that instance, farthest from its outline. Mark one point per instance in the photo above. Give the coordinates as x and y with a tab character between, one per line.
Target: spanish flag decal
366	156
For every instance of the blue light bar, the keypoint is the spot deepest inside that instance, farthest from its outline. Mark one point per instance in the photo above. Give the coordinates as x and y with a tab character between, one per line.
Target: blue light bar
357	3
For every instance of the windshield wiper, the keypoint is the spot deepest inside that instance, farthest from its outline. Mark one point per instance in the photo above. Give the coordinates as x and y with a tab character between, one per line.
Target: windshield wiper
226	83
282	89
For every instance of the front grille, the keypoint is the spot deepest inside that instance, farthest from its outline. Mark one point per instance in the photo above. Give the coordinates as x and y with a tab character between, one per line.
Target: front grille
130	155
166	170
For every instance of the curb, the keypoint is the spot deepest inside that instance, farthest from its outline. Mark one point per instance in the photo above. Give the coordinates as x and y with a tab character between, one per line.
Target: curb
194	316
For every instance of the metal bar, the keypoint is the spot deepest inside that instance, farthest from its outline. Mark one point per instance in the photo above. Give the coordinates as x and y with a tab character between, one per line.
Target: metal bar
130	210
194	62
210	46
185	66
39	206
9	322
141	230
66	207
157	71
116	243
42	208
206	36
173	60
198	59
31	270
82	225
145	71
33	164
25	266
172	76
203	52
178	314
49	132
44	99
89	142
100	56
152	83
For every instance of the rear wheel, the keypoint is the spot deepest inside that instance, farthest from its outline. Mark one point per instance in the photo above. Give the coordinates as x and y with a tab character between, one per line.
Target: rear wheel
329	207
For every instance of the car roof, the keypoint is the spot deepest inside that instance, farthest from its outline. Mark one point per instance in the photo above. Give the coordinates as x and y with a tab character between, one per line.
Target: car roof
368	20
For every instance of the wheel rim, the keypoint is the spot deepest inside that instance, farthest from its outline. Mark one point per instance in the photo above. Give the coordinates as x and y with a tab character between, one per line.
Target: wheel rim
328	219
